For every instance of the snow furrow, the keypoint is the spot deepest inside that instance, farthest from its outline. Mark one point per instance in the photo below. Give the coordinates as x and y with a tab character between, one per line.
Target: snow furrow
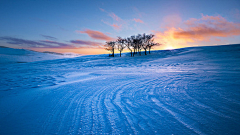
186	122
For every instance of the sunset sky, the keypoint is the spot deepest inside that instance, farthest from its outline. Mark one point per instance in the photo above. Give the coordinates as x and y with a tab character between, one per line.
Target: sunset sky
82	26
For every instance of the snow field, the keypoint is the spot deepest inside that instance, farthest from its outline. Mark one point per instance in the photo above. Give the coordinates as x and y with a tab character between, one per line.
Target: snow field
184	91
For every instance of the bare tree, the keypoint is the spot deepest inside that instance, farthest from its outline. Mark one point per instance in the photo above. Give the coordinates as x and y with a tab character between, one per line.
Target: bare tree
145	42
147	39
151	44
139	43
110	46
121	44
129	45
134	44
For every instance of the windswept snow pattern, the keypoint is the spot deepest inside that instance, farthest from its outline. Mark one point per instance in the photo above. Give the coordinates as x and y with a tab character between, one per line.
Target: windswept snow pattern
183	91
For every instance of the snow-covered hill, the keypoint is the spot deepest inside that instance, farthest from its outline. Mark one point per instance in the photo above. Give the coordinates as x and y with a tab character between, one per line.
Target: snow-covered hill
10	55
184	91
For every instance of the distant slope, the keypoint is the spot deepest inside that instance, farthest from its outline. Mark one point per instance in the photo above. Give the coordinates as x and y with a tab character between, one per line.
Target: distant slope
10	55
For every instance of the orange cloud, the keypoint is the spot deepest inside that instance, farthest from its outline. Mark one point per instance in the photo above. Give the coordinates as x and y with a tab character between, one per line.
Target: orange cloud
96	35
207	27
117	27
86	44
118	22
138	20
168	40
115	17
195	30
111	14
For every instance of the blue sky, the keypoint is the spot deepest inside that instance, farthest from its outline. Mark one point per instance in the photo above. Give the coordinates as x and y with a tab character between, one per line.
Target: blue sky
83	26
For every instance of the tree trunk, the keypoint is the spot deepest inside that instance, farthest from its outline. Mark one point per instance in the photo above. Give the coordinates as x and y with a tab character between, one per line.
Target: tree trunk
131	53
145	51
120	53
113	52
140	52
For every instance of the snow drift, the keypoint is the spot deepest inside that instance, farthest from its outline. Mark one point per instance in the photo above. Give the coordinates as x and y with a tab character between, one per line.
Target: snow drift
184	91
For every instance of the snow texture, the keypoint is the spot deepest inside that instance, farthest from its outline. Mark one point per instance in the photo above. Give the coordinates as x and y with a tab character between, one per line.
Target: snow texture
183	91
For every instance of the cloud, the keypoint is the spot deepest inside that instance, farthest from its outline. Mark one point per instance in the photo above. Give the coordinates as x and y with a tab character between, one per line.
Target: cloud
34	44
72	44
86	44
117	21
138	20
114	16
23	42
195	30
56	44
102	9
207	27
111	14
49	37
116	26
96	35
235	13
140	14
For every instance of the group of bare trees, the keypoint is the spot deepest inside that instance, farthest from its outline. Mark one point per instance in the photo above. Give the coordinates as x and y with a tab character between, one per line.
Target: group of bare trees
135	44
